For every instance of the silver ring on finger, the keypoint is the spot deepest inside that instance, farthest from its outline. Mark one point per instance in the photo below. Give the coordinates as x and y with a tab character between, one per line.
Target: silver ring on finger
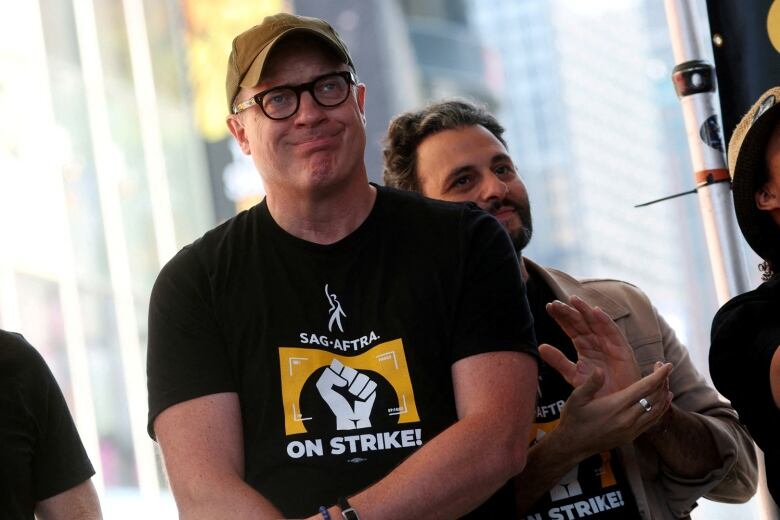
644	403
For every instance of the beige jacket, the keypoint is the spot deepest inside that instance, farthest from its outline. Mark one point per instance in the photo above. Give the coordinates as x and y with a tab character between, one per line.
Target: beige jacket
659	493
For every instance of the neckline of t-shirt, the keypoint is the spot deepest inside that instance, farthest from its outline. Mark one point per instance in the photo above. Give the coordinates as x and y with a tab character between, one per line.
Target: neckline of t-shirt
346	243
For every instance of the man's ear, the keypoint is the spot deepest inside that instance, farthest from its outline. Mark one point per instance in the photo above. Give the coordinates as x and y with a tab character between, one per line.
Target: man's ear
236	126
767	198
361	101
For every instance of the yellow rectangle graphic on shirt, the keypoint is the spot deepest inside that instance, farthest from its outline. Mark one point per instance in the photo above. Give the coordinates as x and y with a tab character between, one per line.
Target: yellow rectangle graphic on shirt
382	367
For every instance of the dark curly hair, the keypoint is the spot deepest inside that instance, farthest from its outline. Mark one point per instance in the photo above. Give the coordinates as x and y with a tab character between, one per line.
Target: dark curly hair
767	268
408	130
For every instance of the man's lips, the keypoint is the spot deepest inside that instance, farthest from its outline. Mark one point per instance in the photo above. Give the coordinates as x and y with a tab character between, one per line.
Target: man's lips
311	139
314	138
505	212
315	143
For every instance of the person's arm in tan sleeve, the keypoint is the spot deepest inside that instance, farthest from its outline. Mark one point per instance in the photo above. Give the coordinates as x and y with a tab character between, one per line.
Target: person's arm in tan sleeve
701	433
683	439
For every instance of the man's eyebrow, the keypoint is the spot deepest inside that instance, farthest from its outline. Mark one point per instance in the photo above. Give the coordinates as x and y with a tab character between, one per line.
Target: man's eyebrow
499	157
456	172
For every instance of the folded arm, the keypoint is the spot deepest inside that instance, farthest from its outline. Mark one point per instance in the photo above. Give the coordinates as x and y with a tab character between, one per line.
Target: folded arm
202	444
466	463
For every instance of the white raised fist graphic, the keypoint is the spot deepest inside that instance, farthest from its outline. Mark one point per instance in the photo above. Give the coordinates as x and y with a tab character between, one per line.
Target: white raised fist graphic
351	414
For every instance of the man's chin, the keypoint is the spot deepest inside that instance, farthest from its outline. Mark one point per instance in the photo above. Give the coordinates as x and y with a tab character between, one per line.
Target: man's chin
521	239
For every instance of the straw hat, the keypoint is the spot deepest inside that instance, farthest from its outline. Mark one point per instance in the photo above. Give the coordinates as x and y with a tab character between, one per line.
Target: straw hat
747	165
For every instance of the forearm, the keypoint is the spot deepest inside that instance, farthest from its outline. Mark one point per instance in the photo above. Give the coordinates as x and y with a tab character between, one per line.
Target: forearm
684	444
466	463
202	445
228	497
739	484
450	475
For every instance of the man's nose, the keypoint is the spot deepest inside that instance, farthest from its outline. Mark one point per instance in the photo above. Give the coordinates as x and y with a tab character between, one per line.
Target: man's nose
309	111
495	188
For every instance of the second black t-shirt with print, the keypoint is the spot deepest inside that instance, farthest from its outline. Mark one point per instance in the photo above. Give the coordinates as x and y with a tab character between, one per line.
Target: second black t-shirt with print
596	488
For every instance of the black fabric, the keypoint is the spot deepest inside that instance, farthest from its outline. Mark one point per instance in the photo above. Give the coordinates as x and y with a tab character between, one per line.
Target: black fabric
746	63
250	309
41	454
745	335
597	487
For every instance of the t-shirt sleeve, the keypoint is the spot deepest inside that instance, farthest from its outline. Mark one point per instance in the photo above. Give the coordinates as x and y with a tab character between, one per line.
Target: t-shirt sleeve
493	312
185	357
60	461
744	339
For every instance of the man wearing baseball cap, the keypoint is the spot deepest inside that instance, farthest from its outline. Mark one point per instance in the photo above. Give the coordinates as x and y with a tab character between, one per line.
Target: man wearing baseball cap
744	356
323	354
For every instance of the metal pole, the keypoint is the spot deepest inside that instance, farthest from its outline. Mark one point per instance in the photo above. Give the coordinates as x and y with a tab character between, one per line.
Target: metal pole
696	85
695	82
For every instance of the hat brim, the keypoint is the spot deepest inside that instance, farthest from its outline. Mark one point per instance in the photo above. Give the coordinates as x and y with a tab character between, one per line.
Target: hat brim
749	170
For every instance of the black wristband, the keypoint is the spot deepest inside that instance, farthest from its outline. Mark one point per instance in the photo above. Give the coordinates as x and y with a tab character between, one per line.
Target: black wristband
347	511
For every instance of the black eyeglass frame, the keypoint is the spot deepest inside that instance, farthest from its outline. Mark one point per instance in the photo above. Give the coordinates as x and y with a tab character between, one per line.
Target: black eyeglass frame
257	99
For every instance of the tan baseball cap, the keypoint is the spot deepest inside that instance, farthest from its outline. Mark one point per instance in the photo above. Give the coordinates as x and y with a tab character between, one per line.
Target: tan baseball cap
251	48
747	165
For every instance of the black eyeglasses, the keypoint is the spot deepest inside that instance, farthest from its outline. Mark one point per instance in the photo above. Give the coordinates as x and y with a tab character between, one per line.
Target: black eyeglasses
328	90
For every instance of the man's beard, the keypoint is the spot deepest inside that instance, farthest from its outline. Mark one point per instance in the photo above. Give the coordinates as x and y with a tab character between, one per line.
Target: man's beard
522	236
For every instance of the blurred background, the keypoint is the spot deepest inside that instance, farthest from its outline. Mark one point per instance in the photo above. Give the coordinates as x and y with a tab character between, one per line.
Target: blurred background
114	154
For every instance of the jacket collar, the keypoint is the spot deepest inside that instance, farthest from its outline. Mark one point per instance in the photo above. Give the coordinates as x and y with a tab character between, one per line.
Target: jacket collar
565	286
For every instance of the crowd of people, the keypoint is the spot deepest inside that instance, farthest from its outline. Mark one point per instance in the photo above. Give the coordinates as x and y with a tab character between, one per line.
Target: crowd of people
345	350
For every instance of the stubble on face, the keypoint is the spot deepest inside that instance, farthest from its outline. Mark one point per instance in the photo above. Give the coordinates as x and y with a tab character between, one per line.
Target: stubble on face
454	164
521	205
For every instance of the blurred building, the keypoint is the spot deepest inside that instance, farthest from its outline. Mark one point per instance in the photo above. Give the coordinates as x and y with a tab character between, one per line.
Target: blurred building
103	177
447	49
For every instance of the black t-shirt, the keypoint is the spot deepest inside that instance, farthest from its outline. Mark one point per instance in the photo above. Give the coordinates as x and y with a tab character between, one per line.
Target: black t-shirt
41	454
745	335
340	354
597	487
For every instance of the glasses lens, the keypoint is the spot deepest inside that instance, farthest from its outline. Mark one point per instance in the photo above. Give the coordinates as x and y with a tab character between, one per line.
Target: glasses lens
331	90
280	103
